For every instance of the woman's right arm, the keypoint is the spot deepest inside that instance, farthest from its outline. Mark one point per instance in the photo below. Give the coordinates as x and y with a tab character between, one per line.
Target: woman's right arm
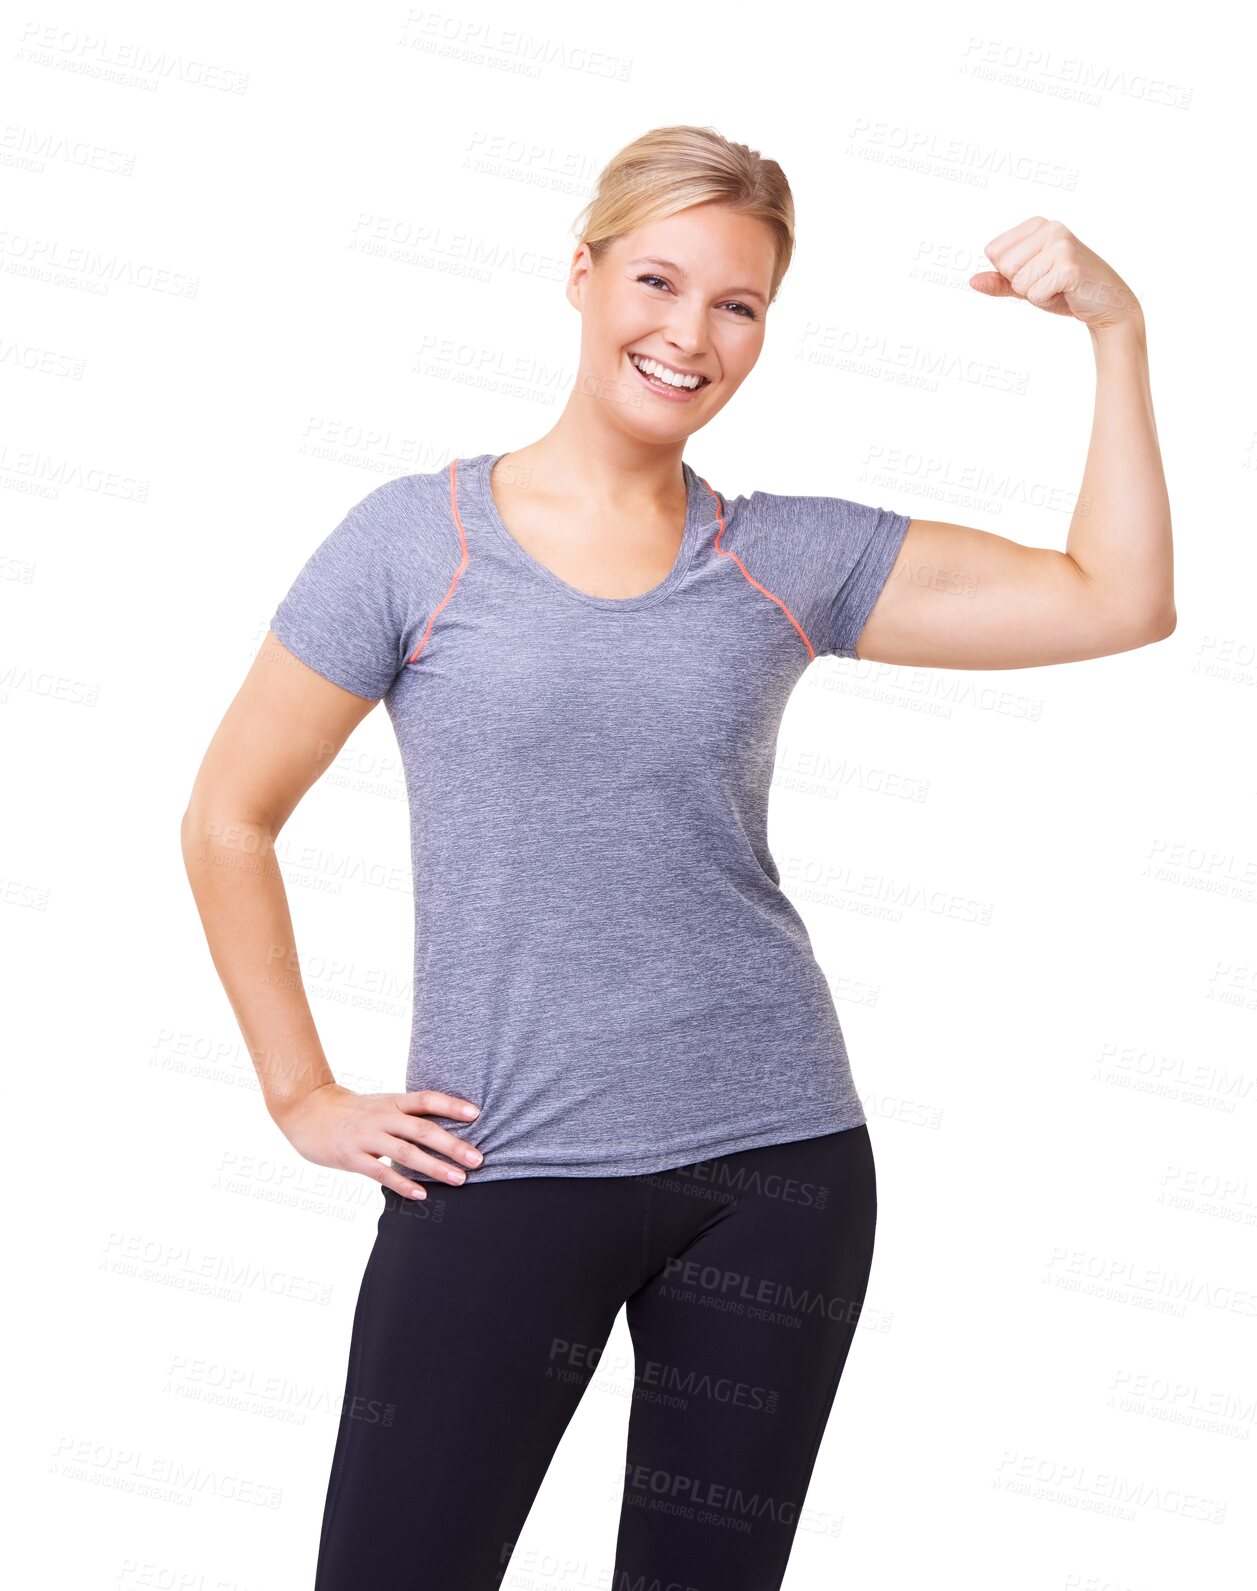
285	726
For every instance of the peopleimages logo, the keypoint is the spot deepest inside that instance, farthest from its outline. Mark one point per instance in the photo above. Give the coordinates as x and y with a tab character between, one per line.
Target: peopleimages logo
779	1295
659	1485
698	1383
769	1184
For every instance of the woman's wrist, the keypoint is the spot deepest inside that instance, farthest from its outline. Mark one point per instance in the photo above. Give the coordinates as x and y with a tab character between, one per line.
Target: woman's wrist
284	1106
1129	332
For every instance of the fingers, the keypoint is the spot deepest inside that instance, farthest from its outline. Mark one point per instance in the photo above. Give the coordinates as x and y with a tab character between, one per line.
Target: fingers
369	1166
1014	236
405	1153
1034	261
413	1124
408	1154
1024	256
416	1141
431	1102
342	1128
1010	250
399	1134
1048	289
412	1130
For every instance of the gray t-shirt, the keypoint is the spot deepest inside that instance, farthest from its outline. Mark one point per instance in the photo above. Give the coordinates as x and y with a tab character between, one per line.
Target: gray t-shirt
604	960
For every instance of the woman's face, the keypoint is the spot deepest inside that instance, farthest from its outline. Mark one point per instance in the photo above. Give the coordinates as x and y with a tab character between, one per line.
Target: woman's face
690	291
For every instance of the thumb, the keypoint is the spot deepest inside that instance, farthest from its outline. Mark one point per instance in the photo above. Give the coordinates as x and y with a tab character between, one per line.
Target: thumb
992	284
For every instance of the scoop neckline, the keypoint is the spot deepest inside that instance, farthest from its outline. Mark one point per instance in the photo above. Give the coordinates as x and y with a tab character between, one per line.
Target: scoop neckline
694	523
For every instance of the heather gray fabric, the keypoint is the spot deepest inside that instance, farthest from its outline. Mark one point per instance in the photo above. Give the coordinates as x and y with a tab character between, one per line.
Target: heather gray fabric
604	960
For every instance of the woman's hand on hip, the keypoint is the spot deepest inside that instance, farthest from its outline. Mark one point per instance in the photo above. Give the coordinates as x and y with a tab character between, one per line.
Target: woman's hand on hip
333	1126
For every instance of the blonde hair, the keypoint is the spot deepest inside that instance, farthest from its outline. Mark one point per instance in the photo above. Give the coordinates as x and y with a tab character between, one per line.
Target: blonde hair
671	168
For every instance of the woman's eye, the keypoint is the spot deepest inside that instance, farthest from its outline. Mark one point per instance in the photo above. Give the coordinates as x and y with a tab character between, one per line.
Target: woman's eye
744	309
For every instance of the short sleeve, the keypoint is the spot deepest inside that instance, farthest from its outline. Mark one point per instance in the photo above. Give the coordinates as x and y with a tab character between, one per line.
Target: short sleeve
830	559
346	613
869	539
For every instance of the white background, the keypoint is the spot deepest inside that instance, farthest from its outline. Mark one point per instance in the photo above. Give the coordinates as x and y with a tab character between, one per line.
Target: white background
254	263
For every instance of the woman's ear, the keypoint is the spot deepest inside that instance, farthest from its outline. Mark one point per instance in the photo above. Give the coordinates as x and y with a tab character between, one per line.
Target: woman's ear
578	273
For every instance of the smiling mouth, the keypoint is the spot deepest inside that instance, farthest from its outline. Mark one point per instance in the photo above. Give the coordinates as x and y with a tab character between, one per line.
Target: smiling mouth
665	378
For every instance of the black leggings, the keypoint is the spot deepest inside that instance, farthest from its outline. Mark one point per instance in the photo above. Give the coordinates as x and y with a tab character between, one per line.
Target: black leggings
480	1320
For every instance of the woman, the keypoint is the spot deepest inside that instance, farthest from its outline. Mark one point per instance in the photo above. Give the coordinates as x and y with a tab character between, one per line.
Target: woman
627	1083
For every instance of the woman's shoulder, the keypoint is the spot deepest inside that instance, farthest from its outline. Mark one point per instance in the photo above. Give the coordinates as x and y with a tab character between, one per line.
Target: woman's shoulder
403	495
358	605
404	520
824	557
797	520
398	533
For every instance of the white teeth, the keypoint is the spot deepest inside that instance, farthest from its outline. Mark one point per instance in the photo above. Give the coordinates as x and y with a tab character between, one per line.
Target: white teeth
650	367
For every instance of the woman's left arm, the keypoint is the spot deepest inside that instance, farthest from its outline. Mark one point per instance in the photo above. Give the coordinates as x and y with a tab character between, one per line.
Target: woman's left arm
958	597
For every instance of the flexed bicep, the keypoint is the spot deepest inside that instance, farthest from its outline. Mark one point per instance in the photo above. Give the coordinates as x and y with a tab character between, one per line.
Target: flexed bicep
959	597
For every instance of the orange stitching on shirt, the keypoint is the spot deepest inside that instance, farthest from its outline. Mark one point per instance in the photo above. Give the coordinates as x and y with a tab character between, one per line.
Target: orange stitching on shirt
462	536
720	515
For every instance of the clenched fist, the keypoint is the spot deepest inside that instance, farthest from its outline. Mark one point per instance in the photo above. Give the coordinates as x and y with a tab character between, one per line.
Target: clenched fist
1044	263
